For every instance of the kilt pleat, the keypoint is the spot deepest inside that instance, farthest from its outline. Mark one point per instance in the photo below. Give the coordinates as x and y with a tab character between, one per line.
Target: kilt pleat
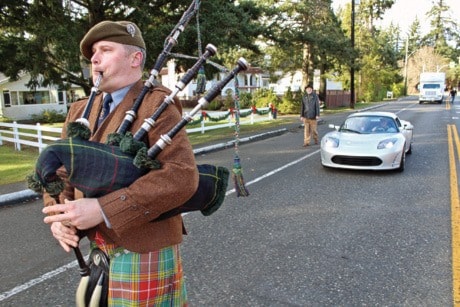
151	279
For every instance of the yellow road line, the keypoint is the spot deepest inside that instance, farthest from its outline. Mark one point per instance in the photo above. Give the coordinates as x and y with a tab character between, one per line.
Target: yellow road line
452	135
457	141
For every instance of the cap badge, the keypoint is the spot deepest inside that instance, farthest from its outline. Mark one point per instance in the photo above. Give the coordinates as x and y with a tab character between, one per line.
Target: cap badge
131	29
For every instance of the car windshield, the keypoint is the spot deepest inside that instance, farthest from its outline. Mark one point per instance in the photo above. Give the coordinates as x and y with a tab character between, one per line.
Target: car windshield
431	86
369	125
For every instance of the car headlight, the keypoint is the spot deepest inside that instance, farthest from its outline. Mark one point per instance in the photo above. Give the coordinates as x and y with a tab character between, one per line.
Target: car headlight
331	142
388	143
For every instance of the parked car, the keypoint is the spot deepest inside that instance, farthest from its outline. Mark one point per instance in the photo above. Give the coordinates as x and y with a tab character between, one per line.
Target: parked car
368	141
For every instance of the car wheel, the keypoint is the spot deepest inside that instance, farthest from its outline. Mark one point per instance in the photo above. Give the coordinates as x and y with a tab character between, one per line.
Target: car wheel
409	151
402	163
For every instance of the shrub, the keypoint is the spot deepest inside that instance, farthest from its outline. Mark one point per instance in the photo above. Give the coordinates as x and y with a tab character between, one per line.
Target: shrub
245	100
290	102
215	105
397	89
49	117
4	119
229	100
264	97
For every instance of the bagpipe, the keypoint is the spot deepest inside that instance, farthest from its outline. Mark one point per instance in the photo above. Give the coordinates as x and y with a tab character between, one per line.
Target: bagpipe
125	157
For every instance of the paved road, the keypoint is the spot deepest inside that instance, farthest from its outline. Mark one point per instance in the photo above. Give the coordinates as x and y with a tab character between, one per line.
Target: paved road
306	236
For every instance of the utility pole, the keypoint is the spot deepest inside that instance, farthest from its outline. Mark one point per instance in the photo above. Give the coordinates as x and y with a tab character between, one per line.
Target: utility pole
405	66
352	68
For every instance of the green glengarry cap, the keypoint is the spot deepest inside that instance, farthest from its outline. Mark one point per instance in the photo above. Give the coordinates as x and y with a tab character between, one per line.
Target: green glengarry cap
122	32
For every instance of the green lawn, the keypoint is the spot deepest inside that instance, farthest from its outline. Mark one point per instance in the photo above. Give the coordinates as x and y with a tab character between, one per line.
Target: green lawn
16	165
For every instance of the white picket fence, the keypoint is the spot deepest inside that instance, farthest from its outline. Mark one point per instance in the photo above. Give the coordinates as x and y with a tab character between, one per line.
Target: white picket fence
14	133
20	134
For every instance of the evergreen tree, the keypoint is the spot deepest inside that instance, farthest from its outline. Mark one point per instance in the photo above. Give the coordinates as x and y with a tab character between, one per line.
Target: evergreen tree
42	37
377	50
442	29
306	36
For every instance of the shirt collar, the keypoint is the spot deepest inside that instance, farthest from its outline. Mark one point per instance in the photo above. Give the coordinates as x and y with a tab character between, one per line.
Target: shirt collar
118	96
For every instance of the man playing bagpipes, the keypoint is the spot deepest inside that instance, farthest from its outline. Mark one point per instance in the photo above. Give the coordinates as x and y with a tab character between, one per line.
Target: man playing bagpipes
145	263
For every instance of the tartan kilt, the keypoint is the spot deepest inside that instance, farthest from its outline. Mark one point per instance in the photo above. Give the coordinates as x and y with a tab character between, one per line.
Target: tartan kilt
150	279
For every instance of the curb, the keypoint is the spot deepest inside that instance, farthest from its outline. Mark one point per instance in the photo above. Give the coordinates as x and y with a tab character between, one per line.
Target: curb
17	197
25	195
220	146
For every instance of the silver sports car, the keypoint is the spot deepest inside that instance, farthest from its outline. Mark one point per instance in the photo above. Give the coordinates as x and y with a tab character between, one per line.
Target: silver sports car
368	141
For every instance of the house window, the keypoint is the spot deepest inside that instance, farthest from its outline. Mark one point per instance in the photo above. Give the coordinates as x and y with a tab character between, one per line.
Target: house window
6	98
61	96
39	97
14	98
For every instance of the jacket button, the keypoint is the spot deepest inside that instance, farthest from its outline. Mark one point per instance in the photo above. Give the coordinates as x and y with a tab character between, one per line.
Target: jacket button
123	197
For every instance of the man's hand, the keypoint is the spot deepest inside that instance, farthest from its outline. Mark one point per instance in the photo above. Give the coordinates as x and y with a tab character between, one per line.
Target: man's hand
82	213
67	236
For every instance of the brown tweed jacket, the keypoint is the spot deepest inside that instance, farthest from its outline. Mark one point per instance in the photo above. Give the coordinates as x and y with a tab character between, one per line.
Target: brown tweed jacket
131	210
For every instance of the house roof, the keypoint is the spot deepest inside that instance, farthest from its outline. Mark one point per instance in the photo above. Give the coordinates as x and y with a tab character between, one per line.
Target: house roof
3	78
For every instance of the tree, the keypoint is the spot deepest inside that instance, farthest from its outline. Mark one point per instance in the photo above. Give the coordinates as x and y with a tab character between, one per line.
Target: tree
372	10
409	70
306	36
443	29
377	50
50	46
433	51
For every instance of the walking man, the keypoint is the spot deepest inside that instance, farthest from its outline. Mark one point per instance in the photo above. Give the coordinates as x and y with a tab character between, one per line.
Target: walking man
309	114
453	92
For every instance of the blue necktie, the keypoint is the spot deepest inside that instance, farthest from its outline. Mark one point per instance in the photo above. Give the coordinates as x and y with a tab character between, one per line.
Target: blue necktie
105	108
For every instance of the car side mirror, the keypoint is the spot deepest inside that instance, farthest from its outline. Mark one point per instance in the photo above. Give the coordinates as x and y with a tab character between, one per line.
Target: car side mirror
332	126
407	127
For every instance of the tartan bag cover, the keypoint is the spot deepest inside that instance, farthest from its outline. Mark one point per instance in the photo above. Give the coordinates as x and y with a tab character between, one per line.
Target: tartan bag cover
97	169
94	168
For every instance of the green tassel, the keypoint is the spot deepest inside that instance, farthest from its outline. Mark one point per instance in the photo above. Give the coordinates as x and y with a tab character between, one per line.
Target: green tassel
129	145
76	129
34	184
238	179
142	160
114	139
54	188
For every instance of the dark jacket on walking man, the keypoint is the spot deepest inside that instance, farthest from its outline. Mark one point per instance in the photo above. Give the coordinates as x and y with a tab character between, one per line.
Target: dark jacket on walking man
452	94
309	114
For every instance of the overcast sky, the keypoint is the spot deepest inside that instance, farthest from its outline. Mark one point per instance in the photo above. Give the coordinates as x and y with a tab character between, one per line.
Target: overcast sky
403	12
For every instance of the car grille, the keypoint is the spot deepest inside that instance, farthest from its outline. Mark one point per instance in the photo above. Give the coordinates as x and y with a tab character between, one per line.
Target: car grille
357	161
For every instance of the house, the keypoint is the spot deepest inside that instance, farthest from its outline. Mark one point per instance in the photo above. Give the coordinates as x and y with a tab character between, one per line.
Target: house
19	102
286	81
294	82
249	80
